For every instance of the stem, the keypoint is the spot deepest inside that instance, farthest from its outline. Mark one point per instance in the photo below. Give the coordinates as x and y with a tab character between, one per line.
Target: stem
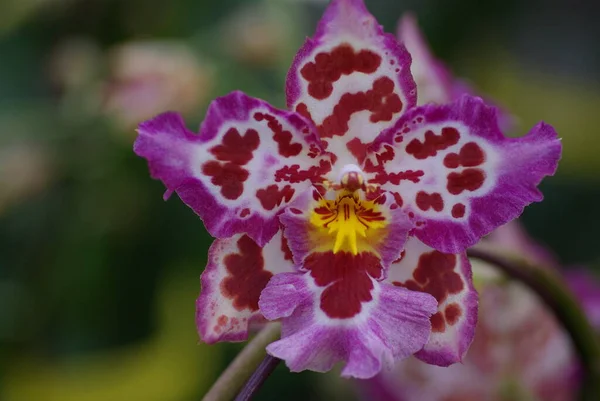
243	366
550	288
266	367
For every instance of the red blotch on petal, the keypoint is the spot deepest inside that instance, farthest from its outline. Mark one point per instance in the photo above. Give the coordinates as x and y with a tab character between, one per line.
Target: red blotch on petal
271	196
381	157
358	149
381	101
438	325
367	62
230	177
470	155
246	275
469	179
425	201
452	160
235	148
452	313
398	199
320	89
329	67
282	137
384	177
302	109
458	211
435	275
347	278
293	174
433	143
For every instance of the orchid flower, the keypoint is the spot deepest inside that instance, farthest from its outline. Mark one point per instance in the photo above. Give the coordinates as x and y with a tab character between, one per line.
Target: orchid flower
346	217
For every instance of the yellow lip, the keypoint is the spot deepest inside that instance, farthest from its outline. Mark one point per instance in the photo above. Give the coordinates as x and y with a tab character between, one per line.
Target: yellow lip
347	220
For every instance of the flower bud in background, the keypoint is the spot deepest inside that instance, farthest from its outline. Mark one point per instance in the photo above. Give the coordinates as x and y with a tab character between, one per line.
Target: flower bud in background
520	352
25	170
75	63
146	78
257	34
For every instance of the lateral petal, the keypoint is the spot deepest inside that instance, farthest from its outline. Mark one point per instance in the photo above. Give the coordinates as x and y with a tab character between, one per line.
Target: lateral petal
249	161
448	278
236	273
456	174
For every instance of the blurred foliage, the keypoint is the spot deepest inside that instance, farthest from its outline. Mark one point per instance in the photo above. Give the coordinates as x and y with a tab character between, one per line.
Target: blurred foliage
98	275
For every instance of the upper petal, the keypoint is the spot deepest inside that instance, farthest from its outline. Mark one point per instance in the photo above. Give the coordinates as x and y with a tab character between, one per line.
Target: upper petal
248	162
455	173
351	79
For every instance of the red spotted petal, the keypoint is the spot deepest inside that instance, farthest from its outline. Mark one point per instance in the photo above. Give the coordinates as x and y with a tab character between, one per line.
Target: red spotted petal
351	79
249	161
456	174
237	271
447	277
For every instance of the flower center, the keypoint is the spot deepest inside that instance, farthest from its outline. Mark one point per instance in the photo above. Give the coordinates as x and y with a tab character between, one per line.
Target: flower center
348	220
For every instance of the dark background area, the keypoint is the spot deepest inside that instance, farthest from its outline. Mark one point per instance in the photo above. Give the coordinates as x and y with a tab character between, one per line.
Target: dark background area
98	275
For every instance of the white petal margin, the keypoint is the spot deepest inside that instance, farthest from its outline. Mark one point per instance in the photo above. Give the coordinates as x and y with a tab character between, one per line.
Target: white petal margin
236	273
448	278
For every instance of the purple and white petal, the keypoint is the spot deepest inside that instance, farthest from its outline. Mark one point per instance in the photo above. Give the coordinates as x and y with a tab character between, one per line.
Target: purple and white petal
351	80
236	273
391	326
448	278
249	161
457	176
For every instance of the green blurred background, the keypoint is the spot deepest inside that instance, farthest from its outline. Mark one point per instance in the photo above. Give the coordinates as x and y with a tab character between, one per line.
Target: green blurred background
98	275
